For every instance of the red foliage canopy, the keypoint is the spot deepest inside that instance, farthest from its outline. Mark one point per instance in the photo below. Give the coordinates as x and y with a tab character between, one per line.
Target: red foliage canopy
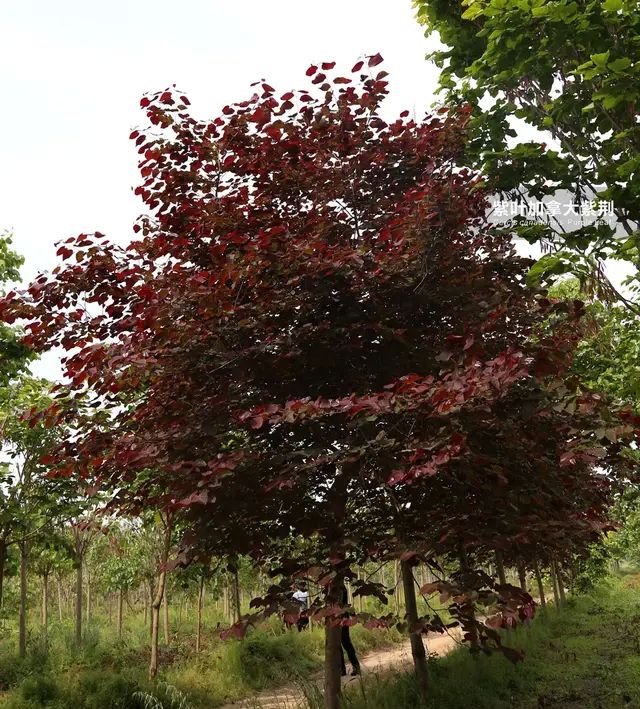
315	318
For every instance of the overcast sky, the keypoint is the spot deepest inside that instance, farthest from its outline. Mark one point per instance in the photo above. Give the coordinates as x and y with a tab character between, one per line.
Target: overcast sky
74	72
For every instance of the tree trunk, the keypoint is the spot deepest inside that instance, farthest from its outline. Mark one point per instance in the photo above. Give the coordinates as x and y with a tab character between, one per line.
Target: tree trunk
79	561
120	599
396	586
225	599
500	569
236	596
88	598
415	629
59	599
559	582
22	621
151	597
45	604
3	557
469	606
199	618
543	600
155	623
165	616
157	600
554	583
332	650
522	576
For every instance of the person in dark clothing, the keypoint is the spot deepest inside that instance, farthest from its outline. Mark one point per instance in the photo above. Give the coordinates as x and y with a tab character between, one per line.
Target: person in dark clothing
347	645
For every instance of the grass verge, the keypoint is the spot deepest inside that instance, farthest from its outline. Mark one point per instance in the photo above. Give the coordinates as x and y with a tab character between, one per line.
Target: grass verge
111	675
586	656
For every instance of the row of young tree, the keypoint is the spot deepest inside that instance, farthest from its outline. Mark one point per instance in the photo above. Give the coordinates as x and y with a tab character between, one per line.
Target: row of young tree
318	354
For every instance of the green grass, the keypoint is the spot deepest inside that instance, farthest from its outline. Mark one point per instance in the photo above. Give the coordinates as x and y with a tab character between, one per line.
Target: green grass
587	656
107	673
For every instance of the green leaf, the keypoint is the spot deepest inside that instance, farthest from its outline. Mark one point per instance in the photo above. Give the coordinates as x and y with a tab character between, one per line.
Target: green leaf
473	11
543	11
600	59
619	65
612	5
547	265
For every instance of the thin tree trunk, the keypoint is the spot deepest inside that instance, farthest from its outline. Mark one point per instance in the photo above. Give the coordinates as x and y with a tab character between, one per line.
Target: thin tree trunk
543	600
502	578
151	597
396	586
157	600
3	557
120	599
556	595
559	581
45	604
225	599
199	618
165	616
415	629
79	561
522	576
474	641
59	599
88	598
22	622
145	601
236	596
332	652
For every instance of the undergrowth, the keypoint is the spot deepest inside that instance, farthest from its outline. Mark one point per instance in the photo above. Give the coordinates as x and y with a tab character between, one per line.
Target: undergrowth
107	674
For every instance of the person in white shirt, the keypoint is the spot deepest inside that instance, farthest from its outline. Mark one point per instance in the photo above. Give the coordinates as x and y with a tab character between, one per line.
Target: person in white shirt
301	595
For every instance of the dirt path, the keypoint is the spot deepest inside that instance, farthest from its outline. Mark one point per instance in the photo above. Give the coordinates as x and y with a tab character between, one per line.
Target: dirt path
379	662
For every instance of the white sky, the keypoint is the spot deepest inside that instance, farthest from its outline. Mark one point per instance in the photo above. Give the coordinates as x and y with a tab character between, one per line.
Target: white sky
73	72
